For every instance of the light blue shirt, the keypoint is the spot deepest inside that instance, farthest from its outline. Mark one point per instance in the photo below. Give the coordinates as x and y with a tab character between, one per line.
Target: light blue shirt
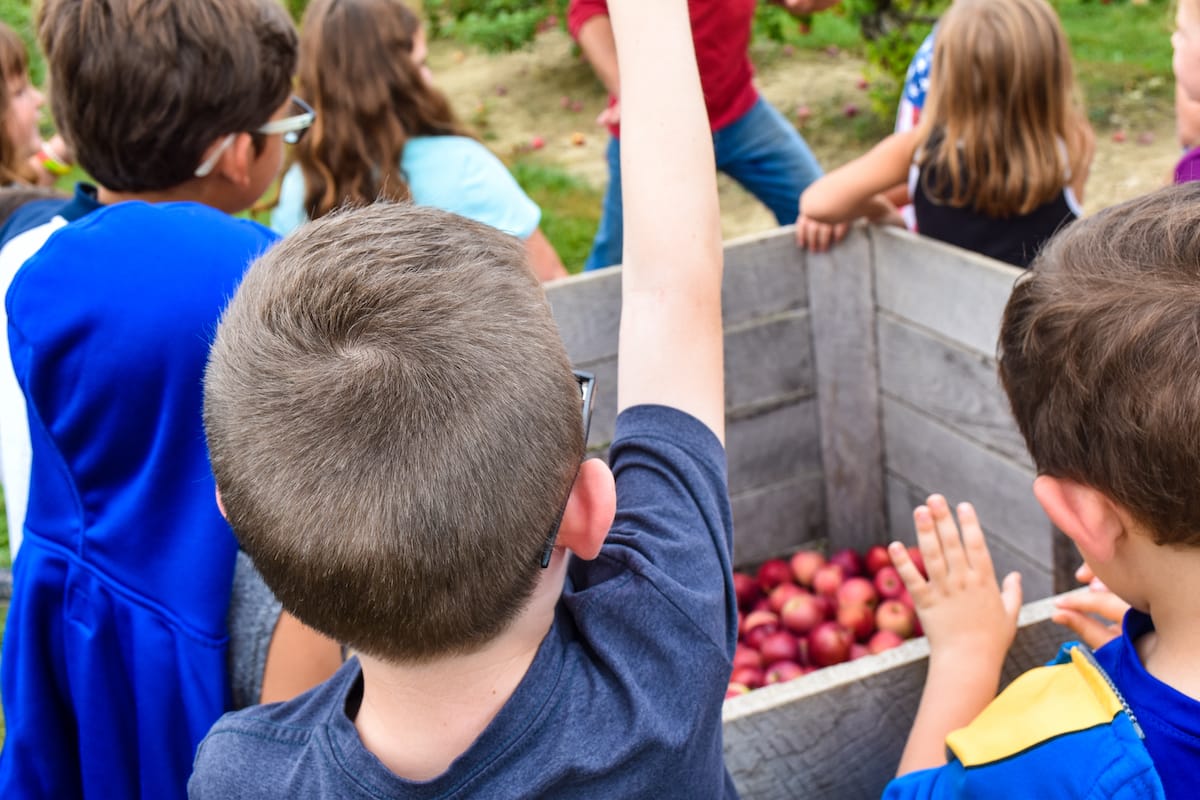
453	173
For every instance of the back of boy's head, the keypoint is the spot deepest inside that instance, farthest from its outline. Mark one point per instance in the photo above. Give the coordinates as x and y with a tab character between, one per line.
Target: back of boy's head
394	428
142	88
1100	356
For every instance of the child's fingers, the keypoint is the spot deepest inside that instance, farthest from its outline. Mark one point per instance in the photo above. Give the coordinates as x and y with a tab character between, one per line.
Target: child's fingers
1105	604
913	581
927	543
1011	595
973	541
951	557
1090	631
1084	574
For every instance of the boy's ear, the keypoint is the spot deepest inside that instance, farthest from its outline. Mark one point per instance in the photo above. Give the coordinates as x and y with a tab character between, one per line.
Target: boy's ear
1085	515
220	504
590	510
237	160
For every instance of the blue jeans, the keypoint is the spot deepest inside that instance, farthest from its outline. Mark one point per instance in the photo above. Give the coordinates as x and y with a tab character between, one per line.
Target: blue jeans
761	150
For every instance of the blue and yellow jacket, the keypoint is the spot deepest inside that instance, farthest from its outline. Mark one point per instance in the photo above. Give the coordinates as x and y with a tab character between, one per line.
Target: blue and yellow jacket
1059	731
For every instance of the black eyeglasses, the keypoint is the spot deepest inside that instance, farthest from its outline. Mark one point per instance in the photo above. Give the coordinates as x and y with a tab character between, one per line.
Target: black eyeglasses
587	390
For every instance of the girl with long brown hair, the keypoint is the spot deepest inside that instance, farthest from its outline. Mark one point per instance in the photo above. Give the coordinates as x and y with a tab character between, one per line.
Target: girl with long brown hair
383	131
1001	155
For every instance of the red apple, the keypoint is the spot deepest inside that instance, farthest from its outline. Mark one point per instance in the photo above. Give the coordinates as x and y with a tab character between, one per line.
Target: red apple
781	594
748	676
736	689
804	566
756	618
828	606
761	604
828	579
1145	138
850	110
772	573
1118	136
784	671
889	584
857	592
876	559
758	626
802	613
884	640
746	656
859	619
746	589
894	616
828	644
537	143
857	651
779	646
862	83
849	560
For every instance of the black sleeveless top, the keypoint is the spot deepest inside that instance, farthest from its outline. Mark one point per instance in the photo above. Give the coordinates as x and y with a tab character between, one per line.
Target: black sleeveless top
1015	239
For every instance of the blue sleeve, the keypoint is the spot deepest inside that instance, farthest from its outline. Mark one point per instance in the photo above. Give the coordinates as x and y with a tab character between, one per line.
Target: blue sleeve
673	523
458	174
289	213
928	784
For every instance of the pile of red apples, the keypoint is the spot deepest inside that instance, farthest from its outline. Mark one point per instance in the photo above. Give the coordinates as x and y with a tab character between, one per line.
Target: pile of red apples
808	612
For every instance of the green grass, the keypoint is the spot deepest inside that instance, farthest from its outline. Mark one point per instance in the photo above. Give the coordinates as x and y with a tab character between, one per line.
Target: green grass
570	208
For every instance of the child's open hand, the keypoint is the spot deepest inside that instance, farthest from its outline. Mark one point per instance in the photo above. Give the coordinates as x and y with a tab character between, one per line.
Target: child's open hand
1080	611
965	614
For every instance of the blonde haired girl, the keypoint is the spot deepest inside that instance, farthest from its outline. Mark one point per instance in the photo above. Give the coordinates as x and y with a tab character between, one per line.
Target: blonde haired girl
383	131
1001	155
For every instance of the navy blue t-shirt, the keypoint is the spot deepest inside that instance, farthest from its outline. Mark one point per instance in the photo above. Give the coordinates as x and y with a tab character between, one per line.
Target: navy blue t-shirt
1169	719
623	698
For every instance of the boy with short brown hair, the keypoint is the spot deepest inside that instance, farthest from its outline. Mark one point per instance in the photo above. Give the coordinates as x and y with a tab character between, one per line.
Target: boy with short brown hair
391	413
114	662
1098	354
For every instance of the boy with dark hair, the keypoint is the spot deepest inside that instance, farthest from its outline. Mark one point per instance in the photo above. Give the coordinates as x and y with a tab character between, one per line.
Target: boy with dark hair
114	662
1098	354
397	438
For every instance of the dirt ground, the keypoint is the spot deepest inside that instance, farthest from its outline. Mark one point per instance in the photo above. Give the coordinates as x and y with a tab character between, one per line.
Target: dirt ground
549	93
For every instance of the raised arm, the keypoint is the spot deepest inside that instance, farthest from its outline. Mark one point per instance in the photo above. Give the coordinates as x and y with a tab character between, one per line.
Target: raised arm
671	345
855	189
596	40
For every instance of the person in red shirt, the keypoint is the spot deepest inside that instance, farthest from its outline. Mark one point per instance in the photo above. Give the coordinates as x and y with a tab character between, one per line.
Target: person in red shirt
754	143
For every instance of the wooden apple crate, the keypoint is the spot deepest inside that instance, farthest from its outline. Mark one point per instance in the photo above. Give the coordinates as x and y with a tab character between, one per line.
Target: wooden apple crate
857	382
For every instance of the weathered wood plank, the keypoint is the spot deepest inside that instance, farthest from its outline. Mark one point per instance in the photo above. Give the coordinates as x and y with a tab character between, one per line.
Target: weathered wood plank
956	385
769	359
838	733
930	455
764	275
1037	579
770	448
842	306
959	294
775	520
768	363
587	309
